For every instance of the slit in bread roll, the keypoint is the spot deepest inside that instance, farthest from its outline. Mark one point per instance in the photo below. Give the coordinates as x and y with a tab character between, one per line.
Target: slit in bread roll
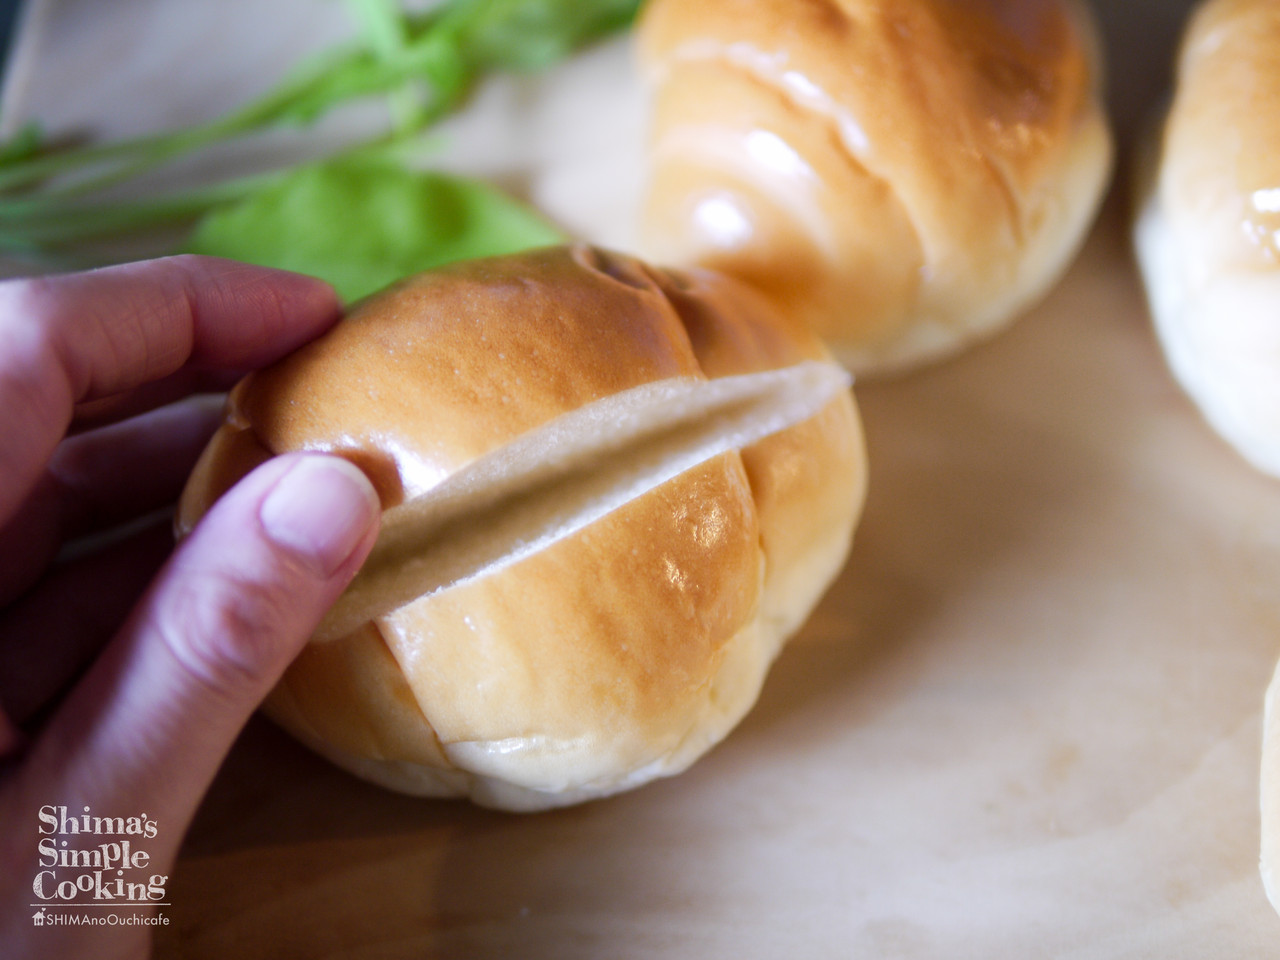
1206	228
556	479
905	175
610	493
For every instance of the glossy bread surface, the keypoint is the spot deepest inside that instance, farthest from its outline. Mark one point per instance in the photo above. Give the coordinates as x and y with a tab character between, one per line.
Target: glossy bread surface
612	656
904	174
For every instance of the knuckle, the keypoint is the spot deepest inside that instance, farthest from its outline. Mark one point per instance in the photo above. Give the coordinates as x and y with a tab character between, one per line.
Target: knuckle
227	632
269	299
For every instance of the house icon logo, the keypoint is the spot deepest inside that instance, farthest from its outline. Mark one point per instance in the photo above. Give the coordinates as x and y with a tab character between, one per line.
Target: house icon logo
38	917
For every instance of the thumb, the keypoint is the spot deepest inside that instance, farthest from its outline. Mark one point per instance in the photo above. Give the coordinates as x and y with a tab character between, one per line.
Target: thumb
149	725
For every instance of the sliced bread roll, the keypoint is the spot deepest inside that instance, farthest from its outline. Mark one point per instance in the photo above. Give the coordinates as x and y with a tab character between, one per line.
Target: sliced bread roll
610	493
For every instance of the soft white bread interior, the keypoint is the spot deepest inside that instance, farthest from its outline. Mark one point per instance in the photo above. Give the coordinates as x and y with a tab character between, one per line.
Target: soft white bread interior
906	175
619	649
1208	216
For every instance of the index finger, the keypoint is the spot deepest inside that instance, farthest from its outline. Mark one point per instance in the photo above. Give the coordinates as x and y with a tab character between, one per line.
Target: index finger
79	337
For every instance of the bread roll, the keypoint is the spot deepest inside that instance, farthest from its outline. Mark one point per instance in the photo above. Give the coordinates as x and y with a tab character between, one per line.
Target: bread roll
609	656
1270	792
1206	231
1208	213
906	175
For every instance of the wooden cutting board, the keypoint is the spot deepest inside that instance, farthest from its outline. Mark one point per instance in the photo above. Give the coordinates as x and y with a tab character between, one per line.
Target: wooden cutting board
1024	723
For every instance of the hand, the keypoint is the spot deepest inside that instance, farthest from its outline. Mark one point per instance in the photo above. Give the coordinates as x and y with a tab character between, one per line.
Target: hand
127	672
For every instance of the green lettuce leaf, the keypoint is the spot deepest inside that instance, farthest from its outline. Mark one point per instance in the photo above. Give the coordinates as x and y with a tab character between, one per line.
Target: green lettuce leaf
361	223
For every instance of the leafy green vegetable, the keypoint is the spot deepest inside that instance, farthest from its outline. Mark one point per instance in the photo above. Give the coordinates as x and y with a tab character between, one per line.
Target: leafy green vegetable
23	144
423	63
534	34
363	222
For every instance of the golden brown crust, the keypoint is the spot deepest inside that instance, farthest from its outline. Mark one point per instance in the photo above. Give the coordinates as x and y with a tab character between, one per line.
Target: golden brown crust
905	172
593	657
231	453
617	654
489	356
352	695
1008	79
809	482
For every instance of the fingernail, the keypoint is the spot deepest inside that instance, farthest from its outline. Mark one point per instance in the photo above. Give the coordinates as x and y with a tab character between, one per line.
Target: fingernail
321	510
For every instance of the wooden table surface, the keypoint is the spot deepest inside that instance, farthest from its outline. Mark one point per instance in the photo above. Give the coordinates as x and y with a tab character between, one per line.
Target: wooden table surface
1024	723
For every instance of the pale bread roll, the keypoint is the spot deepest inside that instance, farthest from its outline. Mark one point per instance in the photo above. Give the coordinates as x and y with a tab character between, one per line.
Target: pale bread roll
1270	792
1206	231
905	175
617	654
1208	213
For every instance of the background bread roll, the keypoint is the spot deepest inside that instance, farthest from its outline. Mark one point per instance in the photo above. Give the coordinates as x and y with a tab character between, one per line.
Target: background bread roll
906	175
615	655
1208	212
1206	239
1209	209
1270	792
